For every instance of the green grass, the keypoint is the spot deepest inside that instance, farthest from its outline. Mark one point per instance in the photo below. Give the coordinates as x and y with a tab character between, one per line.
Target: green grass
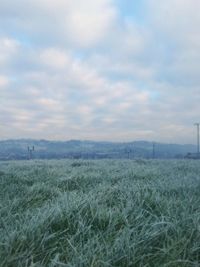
100	213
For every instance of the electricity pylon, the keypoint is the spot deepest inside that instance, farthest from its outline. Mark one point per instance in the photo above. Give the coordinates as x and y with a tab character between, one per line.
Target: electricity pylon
30	152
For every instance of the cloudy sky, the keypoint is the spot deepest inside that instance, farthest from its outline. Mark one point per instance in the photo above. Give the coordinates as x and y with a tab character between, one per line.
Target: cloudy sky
116	70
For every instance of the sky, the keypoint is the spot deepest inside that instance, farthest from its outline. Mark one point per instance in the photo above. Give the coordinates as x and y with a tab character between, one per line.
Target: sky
113	70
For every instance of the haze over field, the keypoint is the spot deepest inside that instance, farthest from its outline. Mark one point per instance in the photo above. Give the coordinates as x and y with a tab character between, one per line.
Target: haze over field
100	70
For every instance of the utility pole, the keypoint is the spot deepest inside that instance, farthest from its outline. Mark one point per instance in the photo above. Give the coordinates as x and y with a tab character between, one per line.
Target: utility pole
153	152
197	125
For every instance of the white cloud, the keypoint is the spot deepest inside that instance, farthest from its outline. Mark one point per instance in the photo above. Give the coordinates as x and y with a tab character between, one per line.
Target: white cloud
54	58
3	81
89	21
179	18
79	69
8	50
82	23
177	25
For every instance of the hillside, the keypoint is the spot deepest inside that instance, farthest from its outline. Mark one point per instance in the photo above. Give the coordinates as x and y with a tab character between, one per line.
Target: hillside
43	149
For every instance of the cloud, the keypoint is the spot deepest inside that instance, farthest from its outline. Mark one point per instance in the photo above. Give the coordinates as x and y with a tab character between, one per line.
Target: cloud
8	51
54	58
81	23
89	21
182	21
178	29
72	96
3	82
87	70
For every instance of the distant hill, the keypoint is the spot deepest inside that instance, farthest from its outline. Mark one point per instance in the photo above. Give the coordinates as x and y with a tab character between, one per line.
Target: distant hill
44	149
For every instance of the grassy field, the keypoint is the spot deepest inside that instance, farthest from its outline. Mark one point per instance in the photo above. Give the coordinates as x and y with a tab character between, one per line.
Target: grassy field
100	213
